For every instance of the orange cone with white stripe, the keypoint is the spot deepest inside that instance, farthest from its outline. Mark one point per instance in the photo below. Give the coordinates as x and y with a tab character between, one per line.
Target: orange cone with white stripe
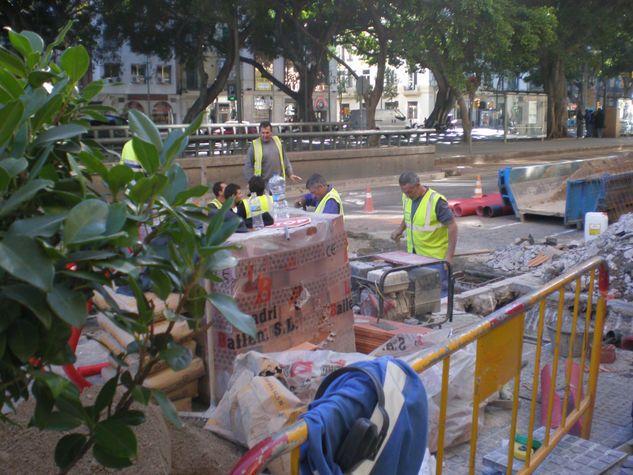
369	205
478	191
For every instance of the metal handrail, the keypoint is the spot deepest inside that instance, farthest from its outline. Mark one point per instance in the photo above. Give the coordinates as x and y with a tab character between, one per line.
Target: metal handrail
292	437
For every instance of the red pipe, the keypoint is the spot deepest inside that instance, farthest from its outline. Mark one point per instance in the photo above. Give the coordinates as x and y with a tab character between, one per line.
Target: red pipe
92	369
495	210
469	206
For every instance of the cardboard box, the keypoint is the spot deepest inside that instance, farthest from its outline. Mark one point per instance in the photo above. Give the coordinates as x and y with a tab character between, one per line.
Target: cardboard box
298	290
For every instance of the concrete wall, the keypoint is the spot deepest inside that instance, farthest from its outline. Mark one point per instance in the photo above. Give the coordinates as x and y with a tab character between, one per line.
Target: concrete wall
338	165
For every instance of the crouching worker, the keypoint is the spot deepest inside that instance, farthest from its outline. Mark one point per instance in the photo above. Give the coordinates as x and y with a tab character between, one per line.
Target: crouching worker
322	196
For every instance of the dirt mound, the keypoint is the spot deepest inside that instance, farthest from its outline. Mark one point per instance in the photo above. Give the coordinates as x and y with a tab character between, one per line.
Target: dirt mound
594	169
161	447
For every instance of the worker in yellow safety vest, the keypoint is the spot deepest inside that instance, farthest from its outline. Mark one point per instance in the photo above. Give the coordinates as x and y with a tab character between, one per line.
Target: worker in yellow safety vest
322	196
266	155
429	222
256	185
129	158
218	191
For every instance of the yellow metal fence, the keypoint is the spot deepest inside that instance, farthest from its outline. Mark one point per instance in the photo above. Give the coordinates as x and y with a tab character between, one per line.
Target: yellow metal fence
499	339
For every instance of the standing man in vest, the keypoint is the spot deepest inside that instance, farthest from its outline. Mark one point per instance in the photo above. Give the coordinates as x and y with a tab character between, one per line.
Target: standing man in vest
266	155
323	196
429	223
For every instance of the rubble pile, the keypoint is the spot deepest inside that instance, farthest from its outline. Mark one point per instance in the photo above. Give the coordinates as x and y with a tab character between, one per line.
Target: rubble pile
615	245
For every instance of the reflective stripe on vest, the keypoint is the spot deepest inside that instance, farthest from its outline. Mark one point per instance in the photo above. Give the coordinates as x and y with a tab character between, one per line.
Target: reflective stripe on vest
259	153
424	232
215	203
266	202
332	194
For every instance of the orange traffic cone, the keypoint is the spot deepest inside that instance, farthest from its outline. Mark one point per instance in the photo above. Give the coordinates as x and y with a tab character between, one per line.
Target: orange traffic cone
478	191
369	205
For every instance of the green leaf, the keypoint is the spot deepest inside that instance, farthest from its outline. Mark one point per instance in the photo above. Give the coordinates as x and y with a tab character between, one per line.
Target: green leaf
116	438
227	306
177	357
46	113
44	404
58	133
146	154
86	220
142	394
4	179
130	417
75	61
55	383
196	301
44	226
60	422
93	164
161	284
23	339
36	41
68	448
89	256
168	408
222	259
68	305
12	62
173	146
145	313
24	258
106	459
147	187
174	317
3	344
194	192
10	85
142	127
11	117
20	43
33	299
14	166
23	194
117	215
118	177
227	228
106	394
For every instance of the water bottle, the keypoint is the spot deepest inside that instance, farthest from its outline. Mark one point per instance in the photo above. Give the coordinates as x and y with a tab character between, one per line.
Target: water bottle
277	187
256	212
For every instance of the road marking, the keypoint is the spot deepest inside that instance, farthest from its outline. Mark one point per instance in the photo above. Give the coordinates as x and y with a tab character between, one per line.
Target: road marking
568	231
503	226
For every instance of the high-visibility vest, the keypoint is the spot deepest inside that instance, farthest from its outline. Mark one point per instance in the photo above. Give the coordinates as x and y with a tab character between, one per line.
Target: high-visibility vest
266	202
424	231
215	203
129	158
332	194
259	153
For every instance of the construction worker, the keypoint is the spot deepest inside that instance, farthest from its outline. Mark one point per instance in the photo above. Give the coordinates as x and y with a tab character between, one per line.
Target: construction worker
322	196
218	191
266	155
129	158
256	185
429	222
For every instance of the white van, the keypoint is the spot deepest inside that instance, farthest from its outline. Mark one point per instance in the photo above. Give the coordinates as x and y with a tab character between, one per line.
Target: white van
386	119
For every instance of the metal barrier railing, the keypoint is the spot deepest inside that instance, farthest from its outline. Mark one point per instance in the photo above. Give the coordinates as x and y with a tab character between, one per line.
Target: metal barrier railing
499	359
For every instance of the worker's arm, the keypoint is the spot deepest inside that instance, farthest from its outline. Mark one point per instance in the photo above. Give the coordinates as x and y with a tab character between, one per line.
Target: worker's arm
248	164
397	234
452	240
288	166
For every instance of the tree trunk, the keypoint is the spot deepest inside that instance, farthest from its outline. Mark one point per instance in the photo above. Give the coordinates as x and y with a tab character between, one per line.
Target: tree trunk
467	124
444	100
381	65
555	85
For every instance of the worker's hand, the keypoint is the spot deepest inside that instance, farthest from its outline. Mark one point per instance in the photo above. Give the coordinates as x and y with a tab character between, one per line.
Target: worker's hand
396	235
299	203
295	178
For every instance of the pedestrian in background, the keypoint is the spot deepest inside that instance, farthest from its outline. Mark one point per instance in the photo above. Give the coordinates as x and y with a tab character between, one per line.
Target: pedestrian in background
429	223
599	123
266	155
588	117
322	196
580	119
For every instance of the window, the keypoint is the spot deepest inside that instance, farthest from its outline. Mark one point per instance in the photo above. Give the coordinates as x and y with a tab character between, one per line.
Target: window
413	81
412	110
138	72
262	84
112	70
291	76
163	74
391	105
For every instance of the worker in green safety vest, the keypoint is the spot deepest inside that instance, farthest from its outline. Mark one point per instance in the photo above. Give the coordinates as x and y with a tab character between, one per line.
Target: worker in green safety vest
429	223
218	191
266	155
129	158
256	185
322	196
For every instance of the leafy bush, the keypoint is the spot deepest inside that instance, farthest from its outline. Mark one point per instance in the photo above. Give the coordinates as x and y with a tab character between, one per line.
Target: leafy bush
61	240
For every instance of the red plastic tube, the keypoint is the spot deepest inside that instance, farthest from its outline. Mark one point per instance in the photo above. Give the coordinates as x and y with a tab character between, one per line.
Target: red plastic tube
495	210
469	206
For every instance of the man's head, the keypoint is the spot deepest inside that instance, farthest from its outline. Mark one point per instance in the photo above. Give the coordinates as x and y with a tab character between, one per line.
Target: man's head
317	185
265	131
233	190
218	190
410	185
257	185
